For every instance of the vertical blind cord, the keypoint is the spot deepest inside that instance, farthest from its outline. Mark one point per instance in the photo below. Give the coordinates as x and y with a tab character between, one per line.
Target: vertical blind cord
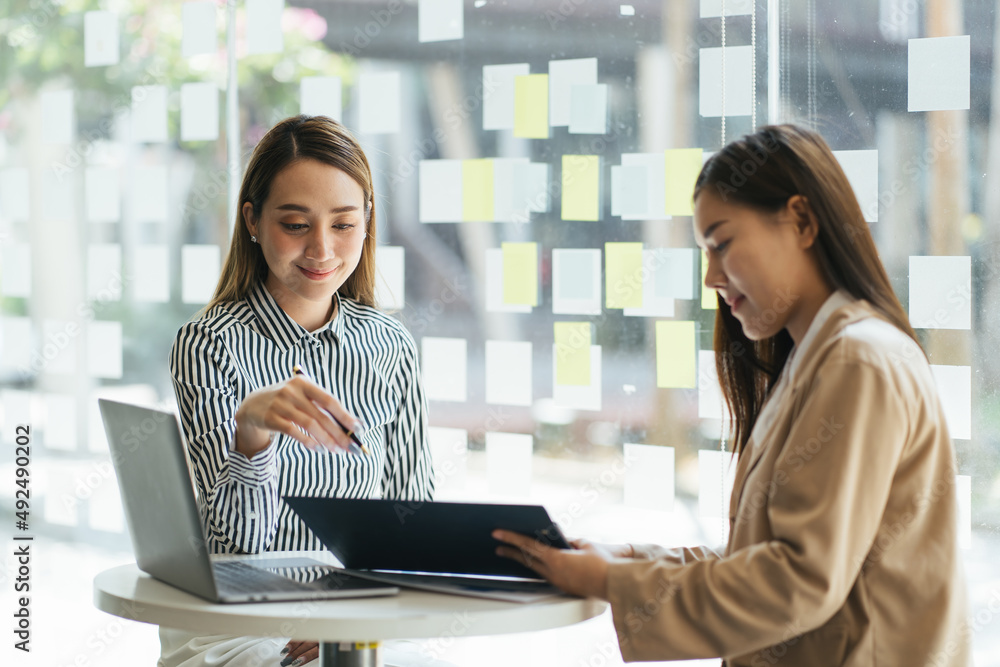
753	67
723	12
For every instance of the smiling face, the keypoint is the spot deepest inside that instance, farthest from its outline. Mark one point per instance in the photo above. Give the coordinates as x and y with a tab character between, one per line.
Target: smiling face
762	264
311	230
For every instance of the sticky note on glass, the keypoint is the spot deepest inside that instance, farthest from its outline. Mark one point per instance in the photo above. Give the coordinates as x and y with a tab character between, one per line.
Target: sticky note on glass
104	508
673	272
709	296
100	39
655	302
508	463
103	194
739	79
581	187
629	192
954	385
675	355
477	190
321	96
531	186
498	94
379	102
508	203
563	75
15	204
198	34
861	169
652	168
711	404
494	285
149	114
939	73
941	292
681	169
440	20
716	473
508	372
15	269
15	344
450	452
443	363
573	341
390	280
60	422
623	275
649	477
148	194
963	491
199	111
531	106
441	198
576	281
57	116
58	197
200	266
104	349
150	282
263	19
64	362
104	271
579	397
713	8
588	109
520	273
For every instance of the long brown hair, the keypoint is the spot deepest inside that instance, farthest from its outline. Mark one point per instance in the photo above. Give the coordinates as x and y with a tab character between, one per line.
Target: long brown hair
763	171
297	138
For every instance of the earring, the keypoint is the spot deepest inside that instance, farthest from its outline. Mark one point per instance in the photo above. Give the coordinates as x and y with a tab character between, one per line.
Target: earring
253	239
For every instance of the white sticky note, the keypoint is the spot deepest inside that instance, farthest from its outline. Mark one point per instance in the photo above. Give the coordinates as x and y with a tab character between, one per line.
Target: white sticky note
149	278
588	109
104	269
263	19
674	272
954	384
104	506
148	193
963	490
440	20
100	39
498	94
563	75
443	363
58	119
711	404
60	422
576	396
58	197
508	463
15	202
200	267
440	191
450	451
630	192
531	185
17	409
390	278
861	168
941	292
649	477
199	111
576	281
508	372
149	114
379	102
713	8
15	344
716	473
103	194
198	34
654	304
939	73
321	96
508	202
15	269
494	285
738	78
58	352
104	349
56	477
654	205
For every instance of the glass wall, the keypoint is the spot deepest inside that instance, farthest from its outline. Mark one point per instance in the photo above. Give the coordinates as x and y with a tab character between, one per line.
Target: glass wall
533	162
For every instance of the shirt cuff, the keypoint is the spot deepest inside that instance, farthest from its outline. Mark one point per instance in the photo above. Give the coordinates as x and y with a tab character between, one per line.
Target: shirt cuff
261	469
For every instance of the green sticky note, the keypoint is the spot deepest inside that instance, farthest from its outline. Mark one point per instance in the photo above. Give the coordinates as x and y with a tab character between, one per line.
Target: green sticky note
531	106
709	298
520	274
682	168
573	353
581	181
675	354
477	190
623	275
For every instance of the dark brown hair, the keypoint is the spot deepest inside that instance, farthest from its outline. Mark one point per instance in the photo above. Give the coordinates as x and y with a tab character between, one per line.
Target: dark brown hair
763	171
293	139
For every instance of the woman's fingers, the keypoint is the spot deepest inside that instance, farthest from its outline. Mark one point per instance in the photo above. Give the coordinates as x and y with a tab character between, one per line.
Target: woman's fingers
300	653
525	550
325	402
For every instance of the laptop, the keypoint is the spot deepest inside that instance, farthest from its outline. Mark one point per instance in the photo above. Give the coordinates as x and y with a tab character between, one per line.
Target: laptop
161	511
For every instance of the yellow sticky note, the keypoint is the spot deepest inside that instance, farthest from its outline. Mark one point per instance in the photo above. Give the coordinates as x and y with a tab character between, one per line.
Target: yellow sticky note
573	353
477	190
623	275
581	187
682	168
709	298
531	106
675	354
520	274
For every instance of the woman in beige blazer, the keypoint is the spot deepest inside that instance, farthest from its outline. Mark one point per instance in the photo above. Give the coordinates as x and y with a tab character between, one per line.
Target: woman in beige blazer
842	548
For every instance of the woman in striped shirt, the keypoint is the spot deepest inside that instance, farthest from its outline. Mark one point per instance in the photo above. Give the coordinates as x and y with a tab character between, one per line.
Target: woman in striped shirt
297	288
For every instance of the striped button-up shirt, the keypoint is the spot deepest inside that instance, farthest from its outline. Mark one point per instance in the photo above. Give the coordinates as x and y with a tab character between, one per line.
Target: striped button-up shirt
365	358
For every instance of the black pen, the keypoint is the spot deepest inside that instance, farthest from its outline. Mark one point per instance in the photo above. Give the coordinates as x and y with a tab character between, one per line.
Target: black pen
356	446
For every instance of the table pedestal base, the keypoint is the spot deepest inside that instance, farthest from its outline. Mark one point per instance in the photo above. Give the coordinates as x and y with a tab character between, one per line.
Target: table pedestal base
350	654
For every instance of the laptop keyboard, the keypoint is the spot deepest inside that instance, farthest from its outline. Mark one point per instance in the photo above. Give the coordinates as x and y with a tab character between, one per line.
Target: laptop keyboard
237	577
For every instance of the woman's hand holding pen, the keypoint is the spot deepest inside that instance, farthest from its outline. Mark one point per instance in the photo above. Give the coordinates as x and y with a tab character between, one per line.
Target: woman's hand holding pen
581	571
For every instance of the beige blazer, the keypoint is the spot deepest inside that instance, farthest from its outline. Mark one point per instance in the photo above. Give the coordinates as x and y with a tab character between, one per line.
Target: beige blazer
842	548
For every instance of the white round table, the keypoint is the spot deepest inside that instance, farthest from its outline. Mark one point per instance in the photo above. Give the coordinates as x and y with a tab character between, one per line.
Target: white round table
127	592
